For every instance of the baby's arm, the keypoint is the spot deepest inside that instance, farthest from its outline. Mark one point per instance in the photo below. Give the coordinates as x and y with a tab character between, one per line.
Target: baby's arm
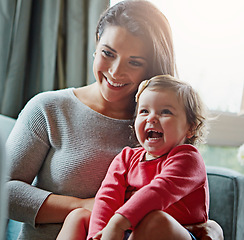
182	174
109	198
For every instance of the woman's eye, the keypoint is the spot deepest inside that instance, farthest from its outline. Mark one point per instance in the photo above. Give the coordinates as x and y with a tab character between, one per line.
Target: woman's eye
135	63
107	53
166	111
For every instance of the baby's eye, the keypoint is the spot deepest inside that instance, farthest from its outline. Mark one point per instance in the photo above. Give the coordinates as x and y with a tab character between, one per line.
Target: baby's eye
141	111
166	111
107	53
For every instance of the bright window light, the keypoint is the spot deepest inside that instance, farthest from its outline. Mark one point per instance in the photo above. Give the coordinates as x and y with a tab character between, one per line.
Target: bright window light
209	43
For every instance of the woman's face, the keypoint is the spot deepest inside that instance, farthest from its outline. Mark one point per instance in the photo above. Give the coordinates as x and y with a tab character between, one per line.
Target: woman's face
120	64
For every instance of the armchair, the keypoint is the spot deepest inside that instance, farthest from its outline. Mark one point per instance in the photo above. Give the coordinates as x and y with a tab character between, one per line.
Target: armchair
227	201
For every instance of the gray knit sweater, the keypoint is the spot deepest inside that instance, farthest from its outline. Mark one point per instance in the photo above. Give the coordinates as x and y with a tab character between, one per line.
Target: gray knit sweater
61	146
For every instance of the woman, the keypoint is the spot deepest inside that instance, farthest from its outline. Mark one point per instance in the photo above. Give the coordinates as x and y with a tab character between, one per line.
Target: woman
64	141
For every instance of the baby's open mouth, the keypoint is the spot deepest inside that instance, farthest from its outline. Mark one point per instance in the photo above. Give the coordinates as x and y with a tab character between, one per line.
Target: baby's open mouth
154	134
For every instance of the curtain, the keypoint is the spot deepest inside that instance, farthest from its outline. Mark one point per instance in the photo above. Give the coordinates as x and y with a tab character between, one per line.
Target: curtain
45	45
3	198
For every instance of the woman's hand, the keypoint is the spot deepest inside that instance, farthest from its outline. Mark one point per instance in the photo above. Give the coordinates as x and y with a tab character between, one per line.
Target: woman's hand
115	229
209	230
87	203
56	207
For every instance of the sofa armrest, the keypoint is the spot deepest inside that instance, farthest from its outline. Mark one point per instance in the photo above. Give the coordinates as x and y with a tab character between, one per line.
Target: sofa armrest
6	125
226	201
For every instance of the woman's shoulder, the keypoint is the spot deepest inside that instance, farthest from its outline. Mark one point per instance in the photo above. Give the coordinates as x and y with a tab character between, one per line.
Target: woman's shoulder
47	101
49	96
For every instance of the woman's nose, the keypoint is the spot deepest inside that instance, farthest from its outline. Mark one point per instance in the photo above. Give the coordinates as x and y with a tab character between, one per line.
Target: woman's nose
117	70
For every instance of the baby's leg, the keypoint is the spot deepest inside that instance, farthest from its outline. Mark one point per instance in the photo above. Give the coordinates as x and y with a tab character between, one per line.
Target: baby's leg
75	226
159	225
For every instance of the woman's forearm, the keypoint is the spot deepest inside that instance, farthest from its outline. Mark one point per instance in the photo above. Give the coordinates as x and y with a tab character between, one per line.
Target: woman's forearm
56	207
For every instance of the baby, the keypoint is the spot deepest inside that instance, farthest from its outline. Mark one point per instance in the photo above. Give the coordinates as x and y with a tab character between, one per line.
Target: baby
166	175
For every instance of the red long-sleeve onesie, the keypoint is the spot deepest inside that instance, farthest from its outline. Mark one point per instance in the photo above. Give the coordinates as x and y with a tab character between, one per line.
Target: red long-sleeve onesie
175	183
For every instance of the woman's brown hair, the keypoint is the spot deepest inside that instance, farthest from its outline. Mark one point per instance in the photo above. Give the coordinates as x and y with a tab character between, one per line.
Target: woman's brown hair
142	19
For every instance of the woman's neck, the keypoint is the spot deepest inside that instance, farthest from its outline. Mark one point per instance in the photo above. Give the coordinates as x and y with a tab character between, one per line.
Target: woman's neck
90	95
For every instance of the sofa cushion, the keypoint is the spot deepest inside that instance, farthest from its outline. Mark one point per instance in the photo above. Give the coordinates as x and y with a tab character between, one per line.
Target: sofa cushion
6	125
226	201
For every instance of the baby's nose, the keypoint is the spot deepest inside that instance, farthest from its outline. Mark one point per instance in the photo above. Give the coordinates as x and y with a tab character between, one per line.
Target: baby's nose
152	118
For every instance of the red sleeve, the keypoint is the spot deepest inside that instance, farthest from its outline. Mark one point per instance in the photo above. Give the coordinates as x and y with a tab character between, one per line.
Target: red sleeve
182	172
111	194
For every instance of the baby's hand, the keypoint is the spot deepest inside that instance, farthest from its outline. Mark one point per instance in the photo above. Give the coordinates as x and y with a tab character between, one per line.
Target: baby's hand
111	232
98	236
128	194
115	228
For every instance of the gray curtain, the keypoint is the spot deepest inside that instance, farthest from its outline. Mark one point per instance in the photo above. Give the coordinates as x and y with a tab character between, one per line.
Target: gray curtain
3	198
45	45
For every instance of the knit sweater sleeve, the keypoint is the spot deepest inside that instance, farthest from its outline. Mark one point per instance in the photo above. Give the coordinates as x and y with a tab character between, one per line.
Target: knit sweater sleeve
182	173
111	194
27	147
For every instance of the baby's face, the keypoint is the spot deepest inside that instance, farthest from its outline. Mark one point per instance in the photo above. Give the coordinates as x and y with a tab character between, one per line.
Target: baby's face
161	122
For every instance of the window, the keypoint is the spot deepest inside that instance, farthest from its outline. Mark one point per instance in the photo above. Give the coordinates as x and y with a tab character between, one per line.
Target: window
209	45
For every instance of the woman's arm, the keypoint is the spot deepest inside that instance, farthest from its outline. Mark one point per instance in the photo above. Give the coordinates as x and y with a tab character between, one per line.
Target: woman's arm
27	147
56	207
28	203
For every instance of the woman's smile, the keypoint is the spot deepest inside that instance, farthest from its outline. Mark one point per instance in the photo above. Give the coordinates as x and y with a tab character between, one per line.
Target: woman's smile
115	84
